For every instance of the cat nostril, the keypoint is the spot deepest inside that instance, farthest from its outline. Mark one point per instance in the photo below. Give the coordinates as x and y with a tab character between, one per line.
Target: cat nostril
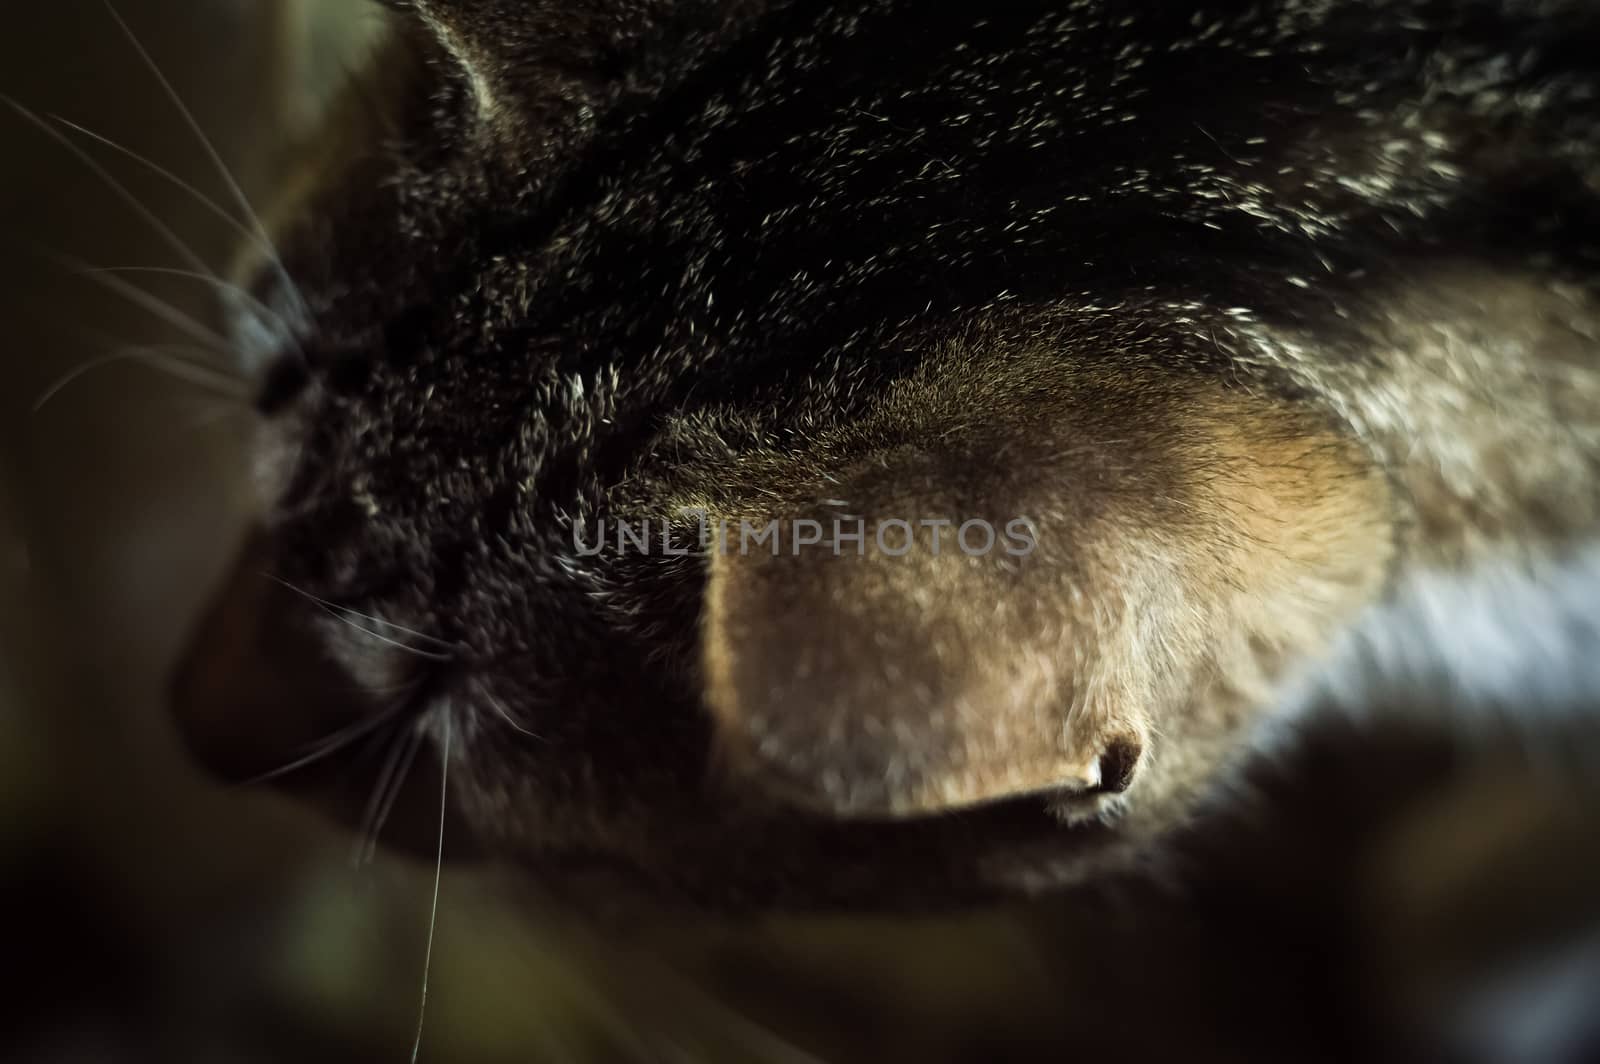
1117	765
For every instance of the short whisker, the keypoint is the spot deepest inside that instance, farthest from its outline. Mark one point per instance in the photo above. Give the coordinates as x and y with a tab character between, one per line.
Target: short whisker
446	649
505	714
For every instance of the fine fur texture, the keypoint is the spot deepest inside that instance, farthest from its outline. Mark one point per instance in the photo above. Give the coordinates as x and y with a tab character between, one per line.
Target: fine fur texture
1248	312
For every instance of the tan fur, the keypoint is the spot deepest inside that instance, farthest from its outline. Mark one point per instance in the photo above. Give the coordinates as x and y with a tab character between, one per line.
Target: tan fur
898	686
1484	404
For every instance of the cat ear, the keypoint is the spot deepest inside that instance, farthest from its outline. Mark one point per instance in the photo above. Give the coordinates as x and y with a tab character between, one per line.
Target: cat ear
1029	611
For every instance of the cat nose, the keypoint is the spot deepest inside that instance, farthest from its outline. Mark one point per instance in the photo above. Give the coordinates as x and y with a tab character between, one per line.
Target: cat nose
256	687
262	695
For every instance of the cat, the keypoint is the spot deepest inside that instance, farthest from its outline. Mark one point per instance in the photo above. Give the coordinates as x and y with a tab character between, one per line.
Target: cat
826	454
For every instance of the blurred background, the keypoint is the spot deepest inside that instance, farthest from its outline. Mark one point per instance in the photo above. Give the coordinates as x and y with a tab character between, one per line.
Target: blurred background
1395	897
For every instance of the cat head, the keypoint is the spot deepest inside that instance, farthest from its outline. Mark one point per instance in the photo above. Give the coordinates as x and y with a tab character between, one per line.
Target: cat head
690	430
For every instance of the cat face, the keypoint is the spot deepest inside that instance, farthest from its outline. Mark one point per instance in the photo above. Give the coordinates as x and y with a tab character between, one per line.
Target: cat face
805	453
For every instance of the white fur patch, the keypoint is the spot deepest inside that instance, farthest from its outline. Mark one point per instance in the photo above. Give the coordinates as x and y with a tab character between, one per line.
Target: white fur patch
1507	642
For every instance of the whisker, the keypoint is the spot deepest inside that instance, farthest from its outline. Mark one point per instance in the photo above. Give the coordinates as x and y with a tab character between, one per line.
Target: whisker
345	613
391	781
438	874
504	714
343	616
325	748
165	231
211	205
160	308
215	157
262	313
162	357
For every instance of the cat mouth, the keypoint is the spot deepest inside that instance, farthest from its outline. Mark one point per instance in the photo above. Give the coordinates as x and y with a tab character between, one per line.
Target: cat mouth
789	858
1096	794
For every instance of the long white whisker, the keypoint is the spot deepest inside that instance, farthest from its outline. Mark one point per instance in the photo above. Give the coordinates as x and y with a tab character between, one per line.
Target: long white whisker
156	357
160	308
262	313
177	243
211	205
438	874
212	153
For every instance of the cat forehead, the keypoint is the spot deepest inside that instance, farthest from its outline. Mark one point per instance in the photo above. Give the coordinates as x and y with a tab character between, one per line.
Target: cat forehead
619	222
